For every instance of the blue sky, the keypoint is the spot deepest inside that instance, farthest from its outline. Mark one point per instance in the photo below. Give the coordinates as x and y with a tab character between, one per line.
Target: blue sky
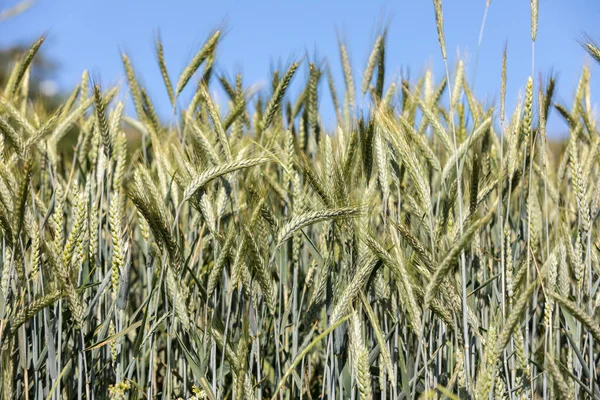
84	34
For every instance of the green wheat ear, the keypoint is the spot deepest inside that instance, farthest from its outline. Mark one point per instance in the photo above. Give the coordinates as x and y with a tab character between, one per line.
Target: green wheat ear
204	53
134	86
439	24
591	46
160	55
15	78
371	64
274	103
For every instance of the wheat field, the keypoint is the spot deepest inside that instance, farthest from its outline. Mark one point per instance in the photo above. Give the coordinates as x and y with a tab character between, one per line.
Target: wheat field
430	246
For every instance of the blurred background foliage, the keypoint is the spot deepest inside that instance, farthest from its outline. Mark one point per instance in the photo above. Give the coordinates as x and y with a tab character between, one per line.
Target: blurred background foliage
43	90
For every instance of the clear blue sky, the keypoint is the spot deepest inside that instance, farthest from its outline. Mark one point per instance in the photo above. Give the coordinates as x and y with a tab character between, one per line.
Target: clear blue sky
85	34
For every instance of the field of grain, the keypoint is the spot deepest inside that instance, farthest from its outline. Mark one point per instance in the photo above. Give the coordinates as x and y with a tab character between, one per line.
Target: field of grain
430	246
